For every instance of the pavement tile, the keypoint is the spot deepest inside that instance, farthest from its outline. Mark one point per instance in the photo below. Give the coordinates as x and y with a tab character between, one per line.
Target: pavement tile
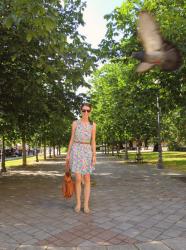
150	234
6	246
181	224
142	238
60	248
172	232
107	234
67	236
30	247
124	226
77	241
108	225
91	247
122	247
7	239
121	217
131	232
60	243
176	244
42	243
21	237
183	234
115	241
154	245
41	235
162	237
163	224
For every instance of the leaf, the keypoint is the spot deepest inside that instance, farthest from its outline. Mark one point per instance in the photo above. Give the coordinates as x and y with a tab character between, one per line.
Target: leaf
49	23
8	22
13	58
29	36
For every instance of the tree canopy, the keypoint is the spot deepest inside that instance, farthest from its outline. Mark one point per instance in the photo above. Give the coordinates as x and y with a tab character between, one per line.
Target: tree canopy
125	102
44	60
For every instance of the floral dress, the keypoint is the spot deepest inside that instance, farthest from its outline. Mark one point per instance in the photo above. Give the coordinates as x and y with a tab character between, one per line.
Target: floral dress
81	154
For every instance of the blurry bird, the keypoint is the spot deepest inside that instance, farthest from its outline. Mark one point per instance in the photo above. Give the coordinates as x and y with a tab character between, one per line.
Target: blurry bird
157	50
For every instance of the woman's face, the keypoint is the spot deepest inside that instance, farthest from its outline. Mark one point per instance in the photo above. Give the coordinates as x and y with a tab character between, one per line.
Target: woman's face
85	111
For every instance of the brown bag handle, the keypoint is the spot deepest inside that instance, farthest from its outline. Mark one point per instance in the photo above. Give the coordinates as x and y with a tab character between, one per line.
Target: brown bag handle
67	167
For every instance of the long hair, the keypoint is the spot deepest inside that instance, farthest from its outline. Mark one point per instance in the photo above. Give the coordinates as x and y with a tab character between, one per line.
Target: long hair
90	106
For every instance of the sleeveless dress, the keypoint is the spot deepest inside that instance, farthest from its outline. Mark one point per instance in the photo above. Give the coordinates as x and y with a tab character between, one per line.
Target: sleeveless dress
81	154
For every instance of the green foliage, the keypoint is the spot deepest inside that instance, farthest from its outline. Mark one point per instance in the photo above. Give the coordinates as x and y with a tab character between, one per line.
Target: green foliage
121	109
43	61
130	108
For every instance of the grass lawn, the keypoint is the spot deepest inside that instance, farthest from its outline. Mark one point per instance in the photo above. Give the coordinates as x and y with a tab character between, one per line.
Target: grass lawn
171	160
18	162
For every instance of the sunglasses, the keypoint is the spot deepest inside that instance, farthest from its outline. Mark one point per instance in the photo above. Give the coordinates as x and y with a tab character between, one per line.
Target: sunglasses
86	110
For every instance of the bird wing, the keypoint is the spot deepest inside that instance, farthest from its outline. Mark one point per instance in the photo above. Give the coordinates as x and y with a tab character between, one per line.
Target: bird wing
172	59
144	66
148	32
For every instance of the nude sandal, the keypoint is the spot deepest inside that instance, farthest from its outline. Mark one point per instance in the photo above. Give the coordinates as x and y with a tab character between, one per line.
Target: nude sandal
86	210
77	209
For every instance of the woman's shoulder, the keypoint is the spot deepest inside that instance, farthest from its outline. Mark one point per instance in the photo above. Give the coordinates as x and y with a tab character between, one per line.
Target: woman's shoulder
75	122
93	124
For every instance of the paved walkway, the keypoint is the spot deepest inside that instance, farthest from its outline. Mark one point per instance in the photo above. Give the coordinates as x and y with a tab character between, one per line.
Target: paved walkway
133	207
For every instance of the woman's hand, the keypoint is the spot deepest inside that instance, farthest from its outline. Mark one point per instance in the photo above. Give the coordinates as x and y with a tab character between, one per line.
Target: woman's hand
67	165
94	159
67	158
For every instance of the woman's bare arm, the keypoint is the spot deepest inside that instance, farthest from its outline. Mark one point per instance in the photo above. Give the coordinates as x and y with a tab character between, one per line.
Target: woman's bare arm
74	124
93	143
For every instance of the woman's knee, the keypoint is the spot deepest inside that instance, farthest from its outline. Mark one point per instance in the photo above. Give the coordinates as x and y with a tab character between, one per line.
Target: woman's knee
78	178
87	178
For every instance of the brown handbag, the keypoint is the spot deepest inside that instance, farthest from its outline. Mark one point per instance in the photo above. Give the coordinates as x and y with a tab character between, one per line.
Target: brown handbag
68	186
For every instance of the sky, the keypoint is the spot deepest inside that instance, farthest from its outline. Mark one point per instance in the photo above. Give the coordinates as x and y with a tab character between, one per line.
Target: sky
95	24
95	27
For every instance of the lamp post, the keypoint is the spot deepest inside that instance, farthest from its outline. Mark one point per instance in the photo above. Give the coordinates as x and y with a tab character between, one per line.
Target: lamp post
160	160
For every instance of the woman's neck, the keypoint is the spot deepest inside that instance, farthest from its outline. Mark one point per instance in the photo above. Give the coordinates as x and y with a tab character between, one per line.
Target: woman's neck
85	120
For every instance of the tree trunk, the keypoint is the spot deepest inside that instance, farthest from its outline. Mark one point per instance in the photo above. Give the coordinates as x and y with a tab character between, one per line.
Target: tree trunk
105	148
108	148
130	144
24	151
50	152
37	158
54	153
139	146
117	148
59	147
155	148
146	143
139	157
44	150
3	168
112	149
126	150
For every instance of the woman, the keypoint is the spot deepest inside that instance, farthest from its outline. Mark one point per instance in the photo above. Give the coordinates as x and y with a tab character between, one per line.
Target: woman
81	155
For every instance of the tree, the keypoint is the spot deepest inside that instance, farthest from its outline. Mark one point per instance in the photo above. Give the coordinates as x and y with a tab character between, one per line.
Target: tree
43	61
121	41
121	110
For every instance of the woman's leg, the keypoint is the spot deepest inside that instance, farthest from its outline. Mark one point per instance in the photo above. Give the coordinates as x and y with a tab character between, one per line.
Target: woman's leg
78	191
86	192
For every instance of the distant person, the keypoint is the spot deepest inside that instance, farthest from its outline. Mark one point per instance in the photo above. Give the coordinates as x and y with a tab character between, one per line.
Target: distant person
81	155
